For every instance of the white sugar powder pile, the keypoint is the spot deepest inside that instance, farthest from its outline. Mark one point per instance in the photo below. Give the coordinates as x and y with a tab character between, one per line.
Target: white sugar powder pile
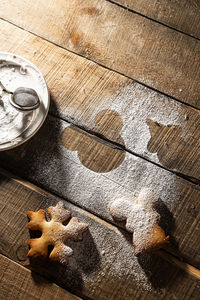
15	72
12	122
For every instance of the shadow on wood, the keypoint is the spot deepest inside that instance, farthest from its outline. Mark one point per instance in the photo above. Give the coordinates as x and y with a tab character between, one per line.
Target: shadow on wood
31	151
170	142
162	270
85	259
64	276
157	269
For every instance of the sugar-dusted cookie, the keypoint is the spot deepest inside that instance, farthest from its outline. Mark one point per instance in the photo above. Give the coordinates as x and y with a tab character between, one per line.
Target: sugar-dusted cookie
142	220
54	233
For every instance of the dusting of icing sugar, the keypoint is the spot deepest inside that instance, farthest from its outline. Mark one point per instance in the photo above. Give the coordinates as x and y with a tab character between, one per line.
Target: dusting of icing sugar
95	192
74	181
13	122
64	253
135	104
105	253
122	207
54	232
106	249
140	216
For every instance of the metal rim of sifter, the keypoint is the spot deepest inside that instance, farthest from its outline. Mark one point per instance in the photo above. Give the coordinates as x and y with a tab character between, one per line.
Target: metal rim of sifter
30	73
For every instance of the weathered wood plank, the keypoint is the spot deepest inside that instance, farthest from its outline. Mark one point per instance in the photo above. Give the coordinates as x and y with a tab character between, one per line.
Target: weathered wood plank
103	265
17	282
139	119
144	50
163	253
92	174
181	15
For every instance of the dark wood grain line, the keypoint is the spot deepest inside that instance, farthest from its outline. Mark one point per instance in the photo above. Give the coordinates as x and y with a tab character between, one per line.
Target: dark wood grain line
102	139
104	66
168	254
147	51
124	175
103	279
17	282
152	14
79	96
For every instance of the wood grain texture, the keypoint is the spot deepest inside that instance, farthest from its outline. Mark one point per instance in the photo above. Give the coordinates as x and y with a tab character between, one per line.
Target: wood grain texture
17	283
60	170
181	15
144	50
112	106
103	265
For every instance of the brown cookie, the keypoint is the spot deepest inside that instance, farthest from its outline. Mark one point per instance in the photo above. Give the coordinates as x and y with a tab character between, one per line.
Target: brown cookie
142	220
54	233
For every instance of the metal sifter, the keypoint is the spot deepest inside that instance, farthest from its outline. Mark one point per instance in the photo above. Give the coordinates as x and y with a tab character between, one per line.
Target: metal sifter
24	100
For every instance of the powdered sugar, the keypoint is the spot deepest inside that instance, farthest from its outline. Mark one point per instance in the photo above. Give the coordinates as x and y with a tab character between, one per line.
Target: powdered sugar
58	213
91	190
64	253
141	219
54	232
17	126
135	104
104	254
13	123
59	170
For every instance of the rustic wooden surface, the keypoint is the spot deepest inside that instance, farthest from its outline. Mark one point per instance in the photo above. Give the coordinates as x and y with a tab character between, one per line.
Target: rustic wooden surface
146	51
86	175
182	15
107	136
17	282
97	277
82	93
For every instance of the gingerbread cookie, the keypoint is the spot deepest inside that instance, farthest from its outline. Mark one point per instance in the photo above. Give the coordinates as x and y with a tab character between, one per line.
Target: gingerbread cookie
54	233
142	220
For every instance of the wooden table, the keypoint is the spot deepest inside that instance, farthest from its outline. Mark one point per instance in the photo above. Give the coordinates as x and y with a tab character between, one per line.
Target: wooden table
124	83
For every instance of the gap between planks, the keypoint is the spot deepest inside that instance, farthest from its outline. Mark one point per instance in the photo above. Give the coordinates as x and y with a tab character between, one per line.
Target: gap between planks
32	282
102	139
190	177
151	19
168	254
101	65
155	47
